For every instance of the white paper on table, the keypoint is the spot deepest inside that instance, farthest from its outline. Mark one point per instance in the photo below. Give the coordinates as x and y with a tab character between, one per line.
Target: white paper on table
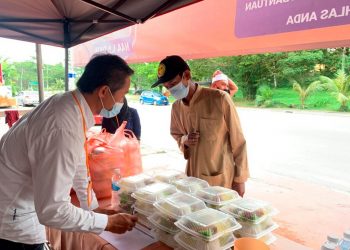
134	239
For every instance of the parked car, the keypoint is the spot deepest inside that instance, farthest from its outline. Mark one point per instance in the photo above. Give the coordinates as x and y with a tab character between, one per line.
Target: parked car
154	98
28	98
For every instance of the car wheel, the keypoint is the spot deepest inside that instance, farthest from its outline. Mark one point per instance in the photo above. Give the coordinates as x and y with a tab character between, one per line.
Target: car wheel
155	103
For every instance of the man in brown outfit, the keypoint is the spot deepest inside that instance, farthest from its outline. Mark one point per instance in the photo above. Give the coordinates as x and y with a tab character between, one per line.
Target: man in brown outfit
205	124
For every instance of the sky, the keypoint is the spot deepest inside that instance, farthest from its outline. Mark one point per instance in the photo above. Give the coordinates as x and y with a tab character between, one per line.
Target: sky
17	51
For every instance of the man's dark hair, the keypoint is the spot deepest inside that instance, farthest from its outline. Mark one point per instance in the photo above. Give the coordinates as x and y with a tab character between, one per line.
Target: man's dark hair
106	69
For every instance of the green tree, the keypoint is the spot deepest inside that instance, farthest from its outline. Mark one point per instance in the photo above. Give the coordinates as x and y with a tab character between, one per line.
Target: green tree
339	88
305	92
300	65
145	75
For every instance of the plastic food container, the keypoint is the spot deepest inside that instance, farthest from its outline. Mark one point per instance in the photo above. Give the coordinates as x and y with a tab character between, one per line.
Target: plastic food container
268	239
208	224
249	210
144	208
169	176
165	237
217	196
164	223
190	184
135	182
154	192
142	220
256	230
188	241
128	185
178	205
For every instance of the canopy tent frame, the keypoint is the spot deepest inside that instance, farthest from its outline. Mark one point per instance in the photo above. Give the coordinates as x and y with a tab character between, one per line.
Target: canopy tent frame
101	13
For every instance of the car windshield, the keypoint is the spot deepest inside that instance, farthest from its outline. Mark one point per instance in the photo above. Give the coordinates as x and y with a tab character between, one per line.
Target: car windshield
157	94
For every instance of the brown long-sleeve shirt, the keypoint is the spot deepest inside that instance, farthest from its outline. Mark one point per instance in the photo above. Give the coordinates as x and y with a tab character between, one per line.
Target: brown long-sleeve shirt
220	156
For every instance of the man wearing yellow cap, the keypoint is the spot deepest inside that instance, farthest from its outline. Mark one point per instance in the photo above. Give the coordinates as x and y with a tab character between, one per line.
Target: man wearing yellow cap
205	124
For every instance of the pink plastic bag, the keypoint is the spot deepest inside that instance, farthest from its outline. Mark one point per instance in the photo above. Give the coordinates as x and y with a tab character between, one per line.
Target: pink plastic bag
109	151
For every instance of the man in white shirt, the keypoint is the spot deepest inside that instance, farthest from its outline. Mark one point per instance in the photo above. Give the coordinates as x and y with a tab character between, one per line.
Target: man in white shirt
42	157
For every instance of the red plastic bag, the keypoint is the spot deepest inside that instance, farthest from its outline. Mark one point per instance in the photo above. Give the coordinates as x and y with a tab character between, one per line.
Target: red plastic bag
110	151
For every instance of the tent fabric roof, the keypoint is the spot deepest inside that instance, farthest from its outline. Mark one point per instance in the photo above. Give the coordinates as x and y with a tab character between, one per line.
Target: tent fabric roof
66	23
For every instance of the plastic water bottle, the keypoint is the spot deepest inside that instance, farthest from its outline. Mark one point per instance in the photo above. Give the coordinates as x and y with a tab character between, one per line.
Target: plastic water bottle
345	243
115	188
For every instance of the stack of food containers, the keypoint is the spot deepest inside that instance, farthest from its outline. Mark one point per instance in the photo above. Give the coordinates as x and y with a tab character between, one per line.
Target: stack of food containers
206	229
168	211
216	196
190	185
255	216
146	196
128	185
168	175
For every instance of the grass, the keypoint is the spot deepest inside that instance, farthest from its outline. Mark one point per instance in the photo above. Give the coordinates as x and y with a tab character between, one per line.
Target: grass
288	98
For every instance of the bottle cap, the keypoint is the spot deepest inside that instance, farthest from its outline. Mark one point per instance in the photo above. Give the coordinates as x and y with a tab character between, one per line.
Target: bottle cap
333	238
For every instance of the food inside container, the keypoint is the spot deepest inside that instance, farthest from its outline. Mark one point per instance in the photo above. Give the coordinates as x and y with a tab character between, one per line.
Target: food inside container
144	208
164	223
256	230
249	210
179	204
169	176
154	192
128	185
165	237
208	224
190	184
217	196
188	241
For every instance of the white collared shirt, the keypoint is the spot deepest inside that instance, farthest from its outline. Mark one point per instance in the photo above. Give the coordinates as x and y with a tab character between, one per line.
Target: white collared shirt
42	157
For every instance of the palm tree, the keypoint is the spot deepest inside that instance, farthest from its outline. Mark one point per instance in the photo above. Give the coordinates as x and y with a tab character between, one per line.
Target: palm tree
305	92
339	88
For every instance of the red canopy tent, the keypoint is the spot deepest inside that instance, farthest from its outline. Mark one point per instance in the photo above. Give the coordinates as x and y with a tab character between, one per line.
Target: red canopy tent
214	28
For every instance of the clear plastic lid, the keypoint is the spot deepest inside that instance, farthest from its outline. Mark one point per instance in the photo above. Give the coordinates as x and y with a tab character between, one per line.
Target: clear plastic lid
250	210
154	192
164	223
188	241
190	184
144	208
208	224
179	204
132	183
217	195
169	175
256	230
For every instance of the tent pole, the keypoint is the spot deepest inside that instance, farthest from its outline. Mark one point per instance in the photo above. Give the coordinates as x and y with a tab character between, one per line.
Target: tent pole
66	69
39	67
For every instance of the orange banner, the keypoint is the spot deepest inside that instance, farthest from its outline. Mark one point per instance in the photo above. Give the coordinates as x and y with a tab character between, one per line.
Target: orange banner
208	29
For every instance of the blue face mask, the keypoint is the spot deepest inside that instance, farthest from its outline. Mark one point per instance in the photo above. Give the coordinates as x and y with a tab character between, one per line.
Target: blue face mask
114	111
180	91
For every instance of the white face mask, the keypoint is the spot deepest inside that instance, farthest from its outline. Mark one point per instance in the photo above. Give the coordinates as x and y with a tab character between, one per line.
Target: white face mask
115	109
180	91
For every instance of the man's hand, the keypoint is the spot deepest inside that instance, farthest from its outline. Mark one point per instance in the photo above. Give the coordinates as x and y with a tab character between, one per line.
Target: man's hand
120	223
106	211
239	188
192	139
